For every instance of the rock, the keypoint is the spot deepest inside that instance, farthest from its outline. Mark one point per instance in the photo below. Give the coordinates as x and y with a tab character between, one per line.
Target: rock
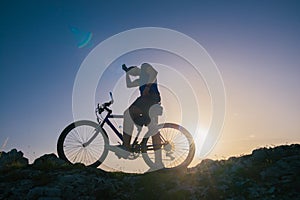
71	179
208	165
49	161
268	173
259	155
12	159
46	192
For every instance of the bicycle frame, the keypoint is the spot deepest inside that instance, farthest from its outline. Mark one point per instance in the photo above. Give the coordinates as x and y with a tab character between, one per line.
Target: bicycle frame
101	124
98	111
108	122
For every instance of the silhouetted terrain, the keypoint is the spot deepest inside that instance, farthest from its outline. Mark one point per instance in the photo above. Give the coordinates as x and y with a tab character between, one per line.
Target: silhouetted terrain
268	173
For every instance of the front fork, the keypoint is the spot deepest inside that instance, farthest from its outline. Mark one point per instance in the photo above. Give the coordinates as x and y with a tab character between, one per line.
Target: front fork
97	130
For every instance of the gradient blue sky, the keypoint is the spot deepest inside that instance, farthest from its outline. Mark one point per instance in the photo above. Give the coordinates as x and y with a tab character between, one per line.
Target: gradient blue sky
255	45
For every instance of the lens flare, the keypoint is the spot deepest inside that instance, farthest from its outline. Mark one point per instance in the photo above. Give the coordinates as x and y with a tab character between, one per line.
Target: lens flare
83	38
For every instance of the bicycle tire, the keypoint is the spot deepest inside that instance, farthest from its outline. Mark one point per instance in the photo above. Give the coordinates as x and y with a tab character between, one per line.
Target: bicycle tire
70	144
181	158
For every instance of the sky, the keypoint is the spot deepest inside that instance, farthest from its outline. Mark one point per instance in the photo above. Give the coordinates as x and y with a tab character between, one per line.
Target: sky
254	44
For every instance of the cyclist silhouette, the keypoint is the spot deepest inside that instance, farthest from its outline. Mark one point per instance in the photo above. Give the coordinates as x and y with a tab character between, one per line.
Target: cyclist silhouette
87	142
138	112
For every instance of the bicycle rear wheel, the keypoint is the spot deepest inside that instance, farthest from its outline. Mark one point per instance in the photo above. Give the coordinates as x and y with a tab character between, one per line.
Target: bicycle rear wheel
177	148
72	143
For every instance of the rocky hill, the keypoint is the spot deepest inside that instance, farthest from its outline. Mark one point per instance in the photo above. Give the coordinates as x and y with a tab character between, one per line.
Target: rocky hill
268	173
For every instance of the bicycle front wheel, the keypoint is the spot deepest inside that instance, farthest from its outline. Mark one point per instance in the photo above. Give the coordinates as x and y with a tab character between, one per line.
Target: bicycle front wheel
176	148
83	142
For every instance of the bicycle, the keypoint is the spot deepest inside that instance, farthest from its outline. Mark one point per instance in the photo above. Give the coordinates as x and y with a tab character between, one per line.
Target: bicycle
87	142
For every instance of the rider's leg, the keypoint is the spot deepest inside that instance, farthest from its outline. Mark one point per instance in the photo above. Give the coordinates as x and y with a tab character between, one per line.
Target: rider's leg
156	140
127	129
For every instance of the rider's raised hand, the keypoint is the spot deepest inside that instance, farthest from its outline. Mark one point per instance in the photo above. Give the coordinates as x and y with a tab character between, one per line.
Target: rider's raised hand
125	68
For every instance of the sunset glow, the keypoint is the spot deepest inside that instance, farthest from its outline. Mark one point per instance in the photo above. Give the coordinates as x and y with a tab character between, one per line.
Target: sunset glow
254	46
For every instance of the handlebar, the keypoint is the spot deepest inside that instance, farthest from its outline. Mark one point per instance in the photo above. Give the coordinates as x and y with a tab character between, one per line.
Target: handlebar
101	108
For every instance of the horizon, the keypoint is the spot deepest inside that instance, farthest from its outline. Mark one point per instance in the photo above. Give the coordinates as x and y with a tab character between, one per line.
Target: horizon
254	44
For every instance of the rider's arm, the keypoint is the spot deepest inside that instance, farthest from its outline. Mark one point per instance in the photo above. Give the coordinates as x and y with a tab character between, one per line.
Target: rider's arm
130	83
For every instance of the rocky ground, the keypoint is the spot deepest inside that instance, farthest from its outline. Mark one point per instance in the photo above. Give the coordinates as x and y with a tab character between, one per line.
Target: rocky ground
268	173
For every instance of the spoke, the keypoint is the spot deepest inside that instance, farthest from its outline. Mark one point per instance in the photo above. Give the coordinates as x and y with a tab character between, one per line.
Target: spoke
72	155
69	152
179	157
181	146
78	153
85	157
166	133
181	139
177	136
95	152
70	140
73	136
70	149
74	150
78	135
72	144
85	135
82	133
77	156
93	158
171	133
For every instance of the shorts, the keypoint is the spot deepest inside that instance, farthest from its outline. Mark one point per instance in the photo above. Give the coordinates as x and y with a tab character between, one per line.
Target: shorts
139	109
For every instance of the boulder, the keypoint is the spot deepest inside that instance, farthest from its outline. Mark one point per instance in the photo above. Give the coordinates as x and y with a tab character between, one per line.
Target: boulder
49	161
12	159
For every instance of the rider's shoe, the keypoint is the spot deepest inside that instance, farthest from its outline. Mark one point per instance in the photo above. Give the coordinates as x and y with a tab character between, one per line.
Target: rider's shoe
156	167
122	151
